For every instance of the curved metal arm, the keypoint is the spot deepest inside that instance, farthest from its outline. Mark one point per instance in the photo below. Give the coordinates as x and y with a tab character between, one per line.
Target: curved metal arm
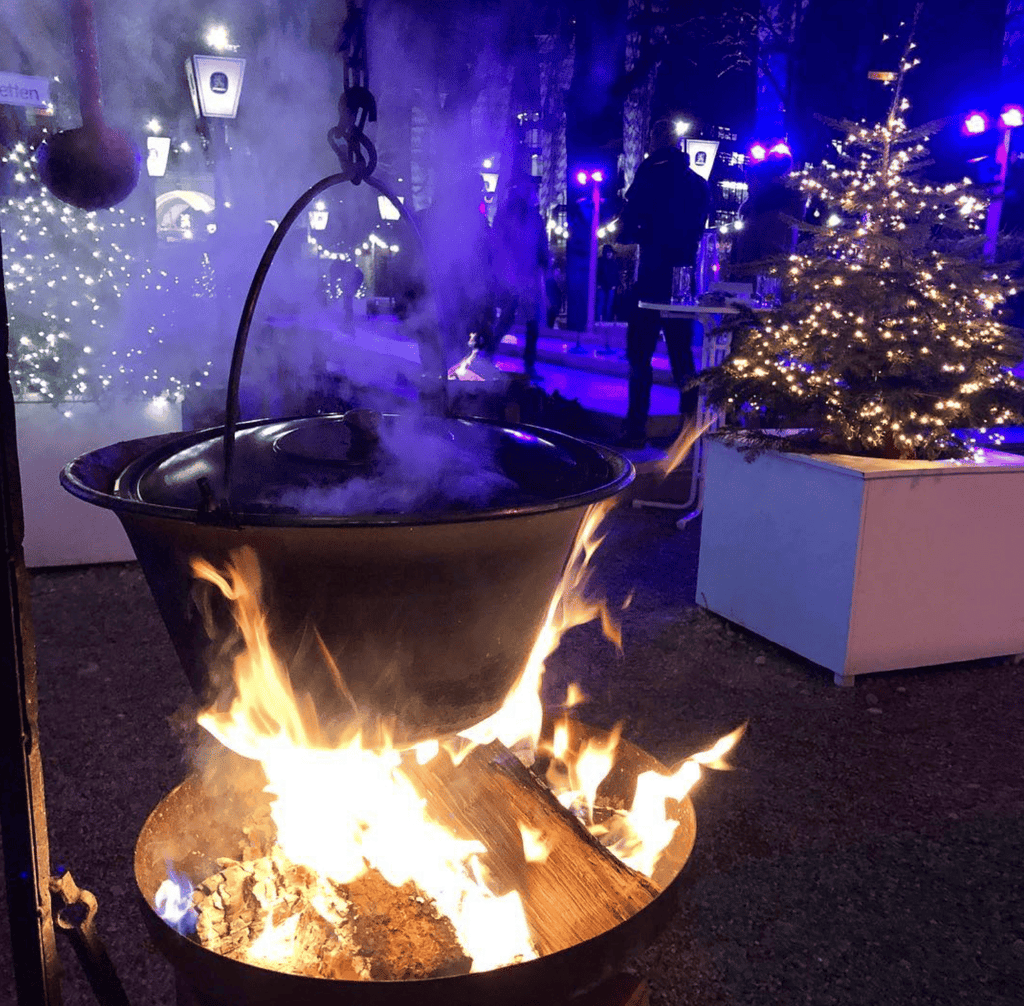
350	173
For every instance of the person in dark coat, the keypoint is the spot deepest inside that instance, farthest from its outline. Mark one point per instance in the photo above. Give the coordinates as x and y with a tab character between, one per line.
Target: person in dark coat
346	279
607	284
665	213
521	259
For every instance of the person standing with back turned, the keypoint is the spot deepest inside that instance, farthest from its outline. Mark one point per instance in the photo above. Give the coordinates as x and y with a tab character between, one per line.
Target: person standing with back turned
666	210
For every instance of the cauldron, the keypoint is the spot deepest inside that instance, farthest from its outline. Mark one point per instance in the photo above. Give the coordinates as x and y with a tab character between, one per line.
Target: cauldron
429	615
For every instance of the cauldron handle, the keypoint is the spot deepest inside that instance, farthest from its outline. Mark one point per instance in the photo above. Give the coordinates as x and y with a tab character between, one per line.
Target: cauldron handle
351	173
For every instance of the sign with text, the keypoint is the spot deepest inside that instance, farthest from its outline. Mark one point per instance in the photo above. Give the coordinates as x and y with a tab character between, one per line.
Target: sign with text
216	84
17	89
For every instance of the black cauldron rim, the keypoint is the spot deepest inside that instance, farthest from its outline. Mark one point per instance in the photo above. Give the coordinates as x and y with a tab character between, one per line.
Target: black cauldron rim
109	477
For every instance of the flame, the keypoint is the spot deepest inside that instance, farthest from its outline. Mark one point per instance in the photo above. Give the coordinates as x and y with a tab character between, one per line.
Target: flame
174	902
535	848
574	696
688	436
342	806
519	720
646	829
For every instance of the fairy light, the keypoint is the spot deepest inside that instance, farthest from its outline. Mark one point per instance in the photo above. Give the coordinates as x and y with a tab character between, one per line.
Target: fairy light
886	330
67	275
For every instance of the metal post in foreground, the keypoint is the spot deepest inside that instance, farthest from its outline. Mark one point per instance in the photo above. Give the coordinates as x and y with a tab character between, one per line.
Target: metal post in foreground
22	806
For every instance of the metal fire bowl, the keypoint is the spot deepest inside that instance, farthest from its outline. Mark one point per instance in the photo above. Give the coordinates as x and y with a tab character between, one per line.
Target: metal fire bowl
189	830
430	617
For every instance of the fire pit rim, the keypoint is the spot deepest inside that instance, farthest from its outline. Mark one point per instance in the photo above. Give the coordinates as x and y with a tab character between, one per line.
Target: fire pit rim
123	464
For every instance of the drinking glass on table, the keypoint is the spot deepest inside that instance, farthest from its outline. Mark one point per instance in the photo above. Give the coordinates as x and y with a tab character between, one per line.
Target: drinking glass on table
767	290
682	284
772	291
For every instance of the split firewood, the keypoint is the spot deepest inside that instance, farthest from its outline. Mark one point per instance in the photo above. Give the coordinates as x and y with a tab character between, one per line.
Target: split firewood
571	886
274	913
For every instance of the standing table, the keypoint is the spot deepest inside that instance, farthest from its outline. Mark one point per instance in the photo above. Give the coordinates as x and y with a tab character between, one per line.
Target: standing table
715	348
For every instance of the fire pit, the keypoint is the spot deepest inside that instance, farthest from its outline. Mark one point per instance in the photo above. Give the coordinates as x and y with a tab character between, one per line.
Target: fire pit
190	830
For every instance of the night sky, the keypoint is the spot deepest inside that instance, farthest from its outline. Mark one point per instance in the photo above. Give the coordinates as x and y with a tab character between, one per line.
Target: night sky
960	43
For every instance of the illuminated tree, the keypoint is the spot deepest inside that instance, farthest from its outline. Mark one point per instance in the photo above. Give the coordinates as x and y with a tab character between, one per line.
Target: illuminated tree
888	341
88	315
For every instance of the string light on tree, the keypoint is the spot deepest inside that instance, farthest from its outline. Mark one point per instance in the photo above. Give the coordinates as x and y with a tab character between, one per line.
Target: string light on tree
68	273
888	341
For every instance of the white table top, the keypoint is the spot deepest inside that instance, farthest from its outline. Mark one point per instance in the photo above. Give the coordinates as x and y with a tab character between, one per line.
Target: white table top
692	309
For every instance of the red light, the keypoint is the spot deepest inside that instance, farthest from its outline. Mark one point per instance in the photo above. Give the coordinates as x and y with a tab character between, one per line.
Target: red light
597	176
975	123
1012	115
581	177
757	152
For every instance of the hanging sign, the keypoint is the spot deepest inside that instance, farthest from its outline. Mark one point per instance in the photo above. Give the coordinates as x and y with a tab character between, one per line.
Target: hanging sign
215	83
702	155
158	147
17	89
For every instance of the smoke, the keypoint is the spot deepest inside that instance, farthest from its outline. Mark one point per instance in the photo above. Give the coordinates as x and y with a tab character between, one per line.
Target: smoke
418	468
443	76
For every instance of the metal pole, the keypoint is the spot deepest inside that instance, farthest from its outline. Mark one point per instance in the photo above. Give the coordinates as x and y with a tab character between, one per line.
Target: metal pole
595	221
995	207
22	806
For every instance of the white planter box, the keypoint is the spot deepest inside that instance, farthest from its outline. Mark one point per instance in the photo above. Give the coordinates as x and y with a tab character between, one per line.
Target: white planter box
864	565
61	530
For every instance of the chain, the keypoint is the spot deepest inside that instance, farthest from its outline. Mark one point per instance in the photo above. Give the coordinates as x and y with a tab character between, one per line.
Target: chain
357	105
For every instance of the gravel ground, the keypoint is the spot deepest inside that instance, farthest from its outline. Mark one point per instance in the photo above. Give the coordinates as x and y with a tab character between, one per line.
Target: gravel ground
867	848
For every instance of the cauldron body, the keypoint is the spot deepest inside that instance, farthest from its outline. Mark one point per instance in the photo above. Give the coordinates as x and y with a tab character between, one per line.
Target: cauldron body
428	618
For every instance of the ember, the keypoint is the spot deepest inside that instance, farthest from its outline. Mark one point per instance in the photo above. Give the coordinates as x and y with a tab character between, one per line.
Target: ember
276	914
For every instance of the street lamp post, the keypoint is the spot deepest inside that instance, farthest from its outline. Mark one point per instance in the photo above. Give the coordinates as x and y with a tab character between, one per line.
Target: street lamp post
1010	118
595	178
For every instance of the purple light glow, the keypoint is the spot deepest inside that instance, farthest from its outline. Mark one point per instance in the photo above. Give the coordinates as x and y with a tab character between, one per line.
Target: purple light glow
597	176
781	149
581	177
1012	116
758	152
975	123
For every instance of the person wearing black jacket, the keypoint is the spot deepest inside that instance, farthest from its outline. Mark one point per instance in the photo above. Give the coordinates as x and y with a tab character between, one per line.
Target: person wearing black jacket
665	213
607	284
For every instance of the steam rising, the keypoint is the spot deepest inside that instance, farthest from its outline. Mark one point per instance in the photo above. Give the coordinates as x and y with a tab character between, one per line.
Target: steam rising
423	469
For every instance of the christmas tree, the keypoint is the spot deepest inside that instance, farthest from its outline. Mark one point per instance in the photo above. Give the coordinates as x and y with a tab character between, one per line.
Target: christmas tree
888	340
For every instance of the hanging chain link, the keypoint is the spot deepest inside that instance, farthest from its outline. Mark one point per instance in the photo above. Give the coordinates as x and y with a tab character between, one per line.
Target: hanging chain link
357	105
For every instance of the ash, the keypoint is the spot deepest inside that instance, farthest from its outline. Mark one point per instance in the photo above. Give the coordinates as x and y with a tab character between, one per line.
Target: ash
273	913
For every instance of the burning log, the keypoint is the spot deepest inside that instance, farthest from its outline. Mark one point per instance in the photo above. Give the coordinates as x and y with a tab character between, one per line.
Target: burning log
572	887
274	913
